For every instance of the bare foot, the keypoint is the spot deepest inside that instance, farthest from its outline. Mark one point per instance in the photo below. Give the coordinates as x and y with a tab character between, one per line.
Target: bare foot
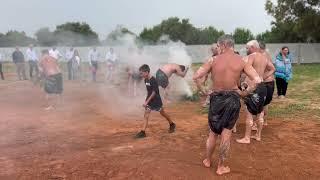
206	163
223	170
243	141
254	127
49	108
234	129
265	123
256	138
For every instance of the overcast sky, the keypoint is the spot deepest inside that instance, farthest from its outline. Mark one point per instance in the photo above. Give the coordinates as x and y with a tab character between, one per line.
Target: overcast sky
104	15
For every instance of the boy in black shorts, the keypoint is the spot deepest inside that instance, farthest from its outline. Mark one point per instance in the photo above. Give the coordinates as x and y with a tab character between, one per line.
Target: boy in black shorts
153	101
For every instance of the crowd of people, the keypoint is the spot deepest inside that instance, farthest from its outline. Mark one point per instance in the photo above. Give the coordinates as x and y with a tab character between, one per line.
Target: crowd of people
234	79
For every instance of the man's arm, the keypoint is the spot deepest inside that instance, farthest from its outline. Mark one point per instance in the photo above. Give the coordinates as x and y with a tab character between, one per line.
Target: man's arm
153	94
202	71
270	70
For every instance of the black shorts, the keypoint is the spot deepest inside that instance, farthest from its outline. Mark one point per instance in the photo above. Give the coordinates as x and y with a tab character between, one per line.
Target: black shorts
255	100
94	64
270	91
54	84
223	111
154	108
162	79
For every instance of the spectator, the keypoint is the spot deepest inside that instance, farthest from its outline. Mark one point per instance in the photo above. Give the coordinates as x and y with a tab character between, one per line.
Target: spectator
33	61
111	58
1	72
18	60
283	74
54	52
69	58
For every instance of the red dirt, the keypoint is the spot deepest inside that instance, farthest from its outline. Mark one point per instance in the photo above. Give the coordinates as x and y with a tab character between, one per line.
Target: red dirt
85	139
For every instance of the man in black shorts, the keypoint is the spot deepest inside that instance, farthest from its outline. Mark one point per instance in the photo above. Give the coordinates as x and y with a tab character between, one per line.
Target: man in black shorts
268	80
53	85
153	101
225	100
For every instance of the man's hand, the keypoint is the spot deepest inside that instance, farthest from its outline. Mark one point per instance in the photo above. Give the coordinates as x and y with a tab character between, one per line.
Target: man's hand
145	104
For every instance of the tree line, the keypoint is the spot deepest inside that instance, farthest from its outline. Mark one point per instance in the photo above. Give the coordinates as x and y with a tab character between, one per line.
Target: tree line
294	22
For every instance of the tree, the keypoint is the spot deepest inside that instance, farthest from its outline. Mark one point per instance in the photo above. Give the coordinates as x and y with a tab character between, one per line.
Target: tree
45	37
76	33
242	36
295	21
180	30
15	38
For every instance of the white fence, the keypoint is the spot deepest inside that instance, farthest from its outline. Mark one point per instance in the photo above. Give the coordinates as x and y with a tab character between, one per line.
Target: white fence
302	53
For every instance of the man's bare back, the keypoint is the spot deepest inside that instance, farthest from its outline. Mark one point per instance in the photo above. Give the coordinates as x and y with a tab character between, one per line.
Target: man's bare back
268	77
49	65
172	68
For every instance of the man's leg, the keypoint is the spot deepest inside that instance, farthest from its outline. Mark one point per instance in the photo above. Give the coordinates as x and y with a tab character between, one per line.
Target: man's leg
223	152
69	69
23	67
49	102
265	109
18	70
1	72
146	119
134	88
260	117
30	69
211	144
172	126
249	123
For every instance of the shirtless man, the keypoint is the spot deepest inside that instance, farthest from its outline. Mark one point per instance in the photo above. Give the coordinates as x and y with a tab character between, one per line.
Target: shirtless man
165	72
201	82
255	101
53	78
269	81
225	100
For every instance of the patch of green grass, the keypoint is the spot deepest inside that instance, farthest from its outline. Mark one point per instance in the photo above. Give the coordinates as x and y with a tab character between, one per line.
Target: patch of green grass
287	110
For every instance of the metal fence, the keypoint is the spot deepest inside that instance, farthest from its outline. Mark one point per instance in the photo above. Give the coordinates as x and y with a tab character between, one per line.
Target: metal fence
302	53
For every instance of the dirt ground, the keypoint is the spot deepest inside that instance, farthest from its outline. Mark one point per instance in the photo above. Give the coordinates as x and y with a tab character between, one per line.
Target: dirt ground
85	139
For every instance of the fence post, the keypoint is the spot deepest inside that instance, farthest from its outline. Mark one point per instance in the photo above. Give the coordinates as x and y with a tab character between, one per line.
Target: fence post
299	54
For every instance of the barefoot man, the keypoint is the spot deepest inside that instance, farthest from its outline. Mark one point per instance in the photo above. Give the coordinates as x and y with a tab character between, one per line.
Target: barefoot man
225	100
269	81
165	72
255	101
53	78
201	82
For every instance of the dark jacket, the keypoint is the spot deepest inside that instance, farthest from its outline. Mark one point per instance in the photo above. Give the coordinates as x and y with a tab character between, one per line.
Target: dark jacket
17	57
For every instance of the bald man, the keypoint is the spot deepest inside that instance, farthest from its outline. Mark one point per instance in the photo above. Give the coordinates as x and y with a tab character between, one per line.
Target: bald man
255	101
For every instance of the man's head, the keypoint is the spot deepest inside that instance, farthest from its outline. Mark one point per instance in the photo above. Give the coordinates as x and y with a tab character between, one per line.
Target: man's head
215	50
45	52
71	48
111	50
182	67
262	45
30	46
94	48
252	46
17	48
144	71
225	42
54	48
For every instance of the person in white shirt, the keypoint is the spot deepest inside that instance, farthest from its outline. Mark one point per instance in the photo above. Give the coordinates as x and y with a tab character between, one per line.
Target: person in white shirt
54	52
1	72
93	57
69	57
76	64
111	58
33	61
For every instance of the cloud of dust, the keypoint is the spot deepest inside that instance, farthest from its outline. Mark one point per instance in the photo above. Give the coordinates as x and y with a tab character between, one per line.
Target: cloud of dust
132	54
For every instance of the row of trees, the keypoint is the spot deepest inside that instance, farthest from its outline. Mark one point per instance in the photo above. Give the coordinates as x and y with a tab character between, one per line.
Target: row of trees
295	21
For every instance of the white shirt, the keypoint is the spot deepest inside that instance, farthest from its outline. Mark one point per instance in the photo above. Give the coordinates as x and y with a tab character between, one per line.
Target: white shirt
55	53
31	55
111	56
69	54
93	55
0	57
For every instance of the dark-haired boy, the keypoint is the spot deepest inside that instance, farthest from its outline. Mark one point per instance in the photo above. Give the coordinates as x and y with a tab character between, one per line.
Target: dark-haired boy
153	101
